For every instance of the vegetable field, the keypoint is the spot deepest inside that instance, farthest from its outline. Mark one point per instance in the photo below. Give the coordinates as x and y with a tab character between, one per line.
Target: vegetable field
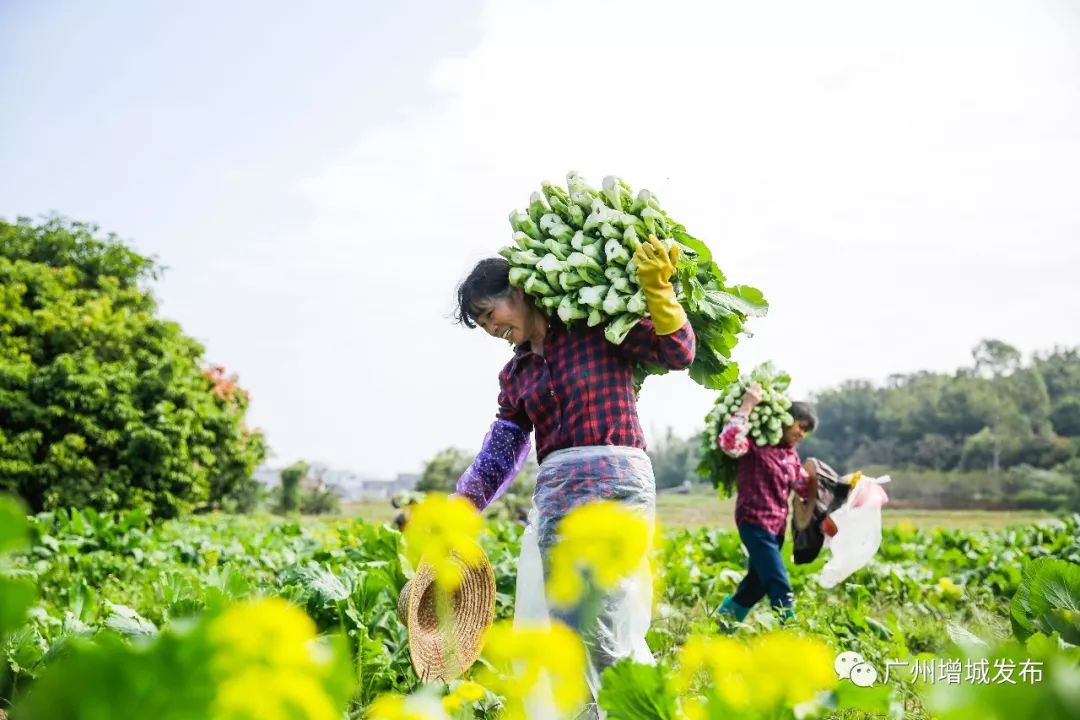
130	615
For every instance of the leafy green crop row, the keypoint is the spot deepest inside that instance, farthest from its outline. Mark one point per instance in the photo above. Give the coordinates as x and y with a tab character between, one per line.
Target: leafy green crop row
100	575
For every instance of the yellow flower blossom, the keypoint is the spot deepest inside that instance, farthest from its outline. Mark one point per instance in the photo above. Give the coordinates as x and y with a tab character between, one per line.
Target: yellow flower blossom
393	706
778	669
604	539
265	659
520	656
905	527
452	703
791	668
949	589
694	708
466	692
269	632
715	656
266	694
470	691
439	528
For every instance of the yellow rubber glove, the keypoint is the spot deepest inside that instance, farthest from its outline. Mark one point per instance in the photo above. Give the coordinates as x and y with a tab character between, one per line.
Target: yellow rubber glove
655	268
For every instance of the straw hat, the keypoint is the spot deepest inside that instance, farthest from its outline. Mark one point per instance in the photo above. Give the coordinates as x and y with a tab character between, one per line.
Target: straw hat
445	653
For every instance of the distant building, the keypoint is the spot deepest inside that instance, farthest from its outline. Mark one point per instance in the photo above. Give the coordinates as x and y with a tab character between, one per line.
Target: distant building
348	485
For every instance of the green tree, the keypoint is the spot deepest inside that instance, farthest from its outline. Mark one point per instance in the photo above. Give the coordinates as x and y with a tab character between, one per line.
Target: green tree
848	418
936	452
995	358
1071	469
291	478
319	501
674	460
1060	369
103	403
1066	417
441	473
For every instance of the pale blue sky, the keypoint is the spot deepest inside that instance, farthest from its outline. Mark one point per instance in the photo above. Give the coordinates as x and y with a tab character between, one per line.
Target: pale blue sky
900	179
133	114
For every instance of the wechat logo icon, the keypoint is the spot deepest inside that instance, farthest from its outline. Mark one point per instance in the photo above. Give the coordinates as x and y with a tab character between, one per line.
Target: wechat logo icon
852	666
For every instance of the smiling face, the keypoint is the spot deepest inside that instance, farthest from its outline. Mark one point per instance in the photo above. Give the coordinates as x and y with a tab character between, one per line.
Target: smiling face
506	317
795	434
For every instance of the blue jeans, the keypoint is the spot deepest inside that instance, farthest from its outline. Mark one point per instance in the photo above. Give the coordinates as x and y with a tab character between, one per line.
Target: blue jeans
766	574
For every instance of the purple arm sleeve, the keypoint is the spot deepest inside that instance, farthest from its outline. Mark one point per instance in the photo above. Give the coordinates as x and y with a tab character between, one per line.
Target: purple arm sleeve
497	464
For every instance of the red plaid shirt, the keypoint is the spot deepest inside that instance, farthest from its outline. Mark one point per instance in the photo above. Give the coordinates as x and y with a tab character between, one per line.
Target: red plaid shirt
581	390
765	477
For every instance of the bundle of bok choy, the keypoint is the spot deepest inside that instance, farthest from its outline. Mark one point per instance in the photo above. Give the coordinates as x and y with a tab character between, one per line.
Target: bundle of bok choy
573	252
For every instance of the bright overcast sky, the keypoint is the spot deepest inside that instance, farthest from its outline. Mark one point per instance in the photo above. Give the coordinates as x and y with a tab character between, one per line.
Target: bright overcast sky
901	179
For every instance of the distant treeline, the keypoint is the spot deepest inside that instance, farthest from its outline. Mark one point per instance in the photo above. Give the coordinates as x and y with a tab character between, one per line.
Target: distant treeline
996	414
999	433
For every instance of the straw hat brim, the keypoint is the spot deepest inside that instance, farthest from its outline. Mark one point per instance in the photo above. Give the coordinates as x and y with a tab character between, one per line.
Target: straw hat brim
445	651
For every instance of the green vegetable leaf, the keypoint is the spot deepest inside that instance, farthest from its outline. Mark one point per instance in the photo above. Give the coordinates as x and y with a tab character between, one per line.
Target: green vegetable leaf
1055	597
13	525
630	691
126	621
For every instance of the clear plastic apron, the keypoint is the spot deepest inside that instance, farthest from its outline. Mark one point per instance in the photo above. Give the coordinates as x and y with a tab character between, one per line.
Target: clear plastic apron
567	479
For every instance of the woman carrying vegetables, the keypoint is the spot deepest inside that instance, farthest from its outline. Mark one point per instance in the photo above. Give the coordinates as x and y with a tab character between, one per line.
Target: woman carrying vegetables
766	476
574	390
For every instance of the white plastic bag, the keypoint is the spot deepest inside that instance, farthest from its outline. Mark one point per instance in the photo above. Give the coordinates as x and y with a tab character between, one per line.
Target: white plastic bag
858	531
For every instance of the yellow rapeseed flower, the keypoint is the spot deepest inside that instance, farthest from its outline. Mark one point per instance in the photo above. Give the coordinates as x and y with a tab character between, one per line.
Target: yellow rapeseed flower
714	656
694	708
439	528
778	669
604	539
392	706
266	694
791	668
519	656
905	527
269	632
470	691
949	589
452	703
466	692
266	666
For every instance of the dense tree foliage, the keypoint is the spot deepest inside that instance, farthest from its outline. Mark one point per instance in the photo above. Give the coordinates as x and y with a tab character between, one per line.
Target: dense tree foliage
103	403
996	414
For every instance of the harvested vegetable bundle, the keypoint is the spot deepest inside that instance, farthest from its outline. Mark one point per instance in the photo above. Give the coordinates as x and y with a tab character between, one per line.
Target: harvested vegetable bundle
767	422
573	251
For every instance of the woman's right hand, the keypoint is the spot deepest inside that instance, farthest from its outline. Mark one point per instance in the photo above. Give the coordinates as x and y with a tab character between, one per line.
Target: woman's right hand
751	398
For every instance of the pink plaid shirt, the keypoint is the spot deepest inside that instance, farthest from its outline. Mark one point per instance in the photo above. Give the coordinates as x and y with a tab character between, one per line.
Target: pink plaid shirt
765	477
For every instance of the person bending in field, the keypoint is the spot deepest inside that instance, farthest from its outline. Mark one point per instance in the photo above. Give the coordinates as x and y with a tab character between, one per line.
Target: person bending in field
765	478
